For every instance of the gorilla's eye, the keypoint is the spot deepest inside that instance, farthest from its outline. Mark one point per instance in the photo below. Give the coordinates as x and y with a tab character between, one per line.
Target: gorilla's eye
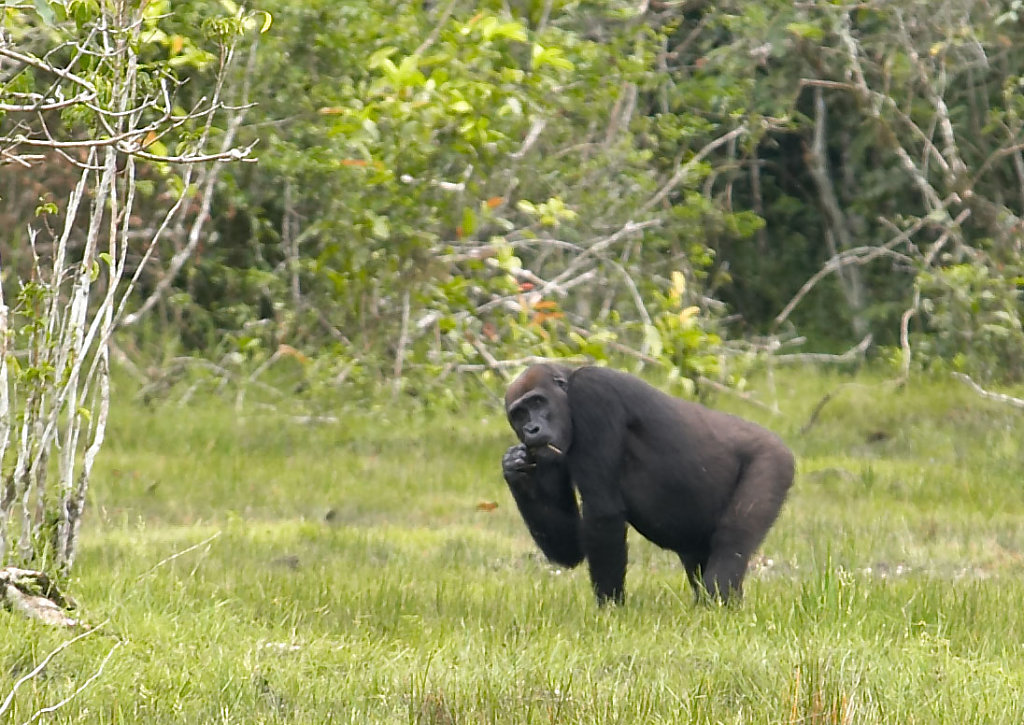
518	416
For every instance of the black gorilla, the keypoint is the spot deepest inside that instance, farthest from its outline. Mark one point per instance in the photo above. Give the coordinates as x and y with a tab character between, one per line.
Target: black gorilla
700	482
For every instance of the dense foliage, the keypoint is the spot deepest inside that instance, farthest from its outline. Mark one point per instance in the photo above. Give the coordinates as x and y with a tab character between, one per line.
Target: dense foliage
454	186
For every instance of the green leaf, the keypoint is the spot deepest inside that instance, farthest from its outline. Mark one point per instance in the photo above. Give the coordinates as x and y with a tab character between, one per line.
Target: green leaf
381	227
378	57
807	30
468	222
549	56
490	28
45	11
47	207
652	341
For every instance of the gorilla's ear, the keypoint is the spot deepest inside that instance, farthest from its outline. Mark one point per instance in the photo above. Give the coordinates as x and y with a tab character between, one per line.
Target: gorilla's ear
560	380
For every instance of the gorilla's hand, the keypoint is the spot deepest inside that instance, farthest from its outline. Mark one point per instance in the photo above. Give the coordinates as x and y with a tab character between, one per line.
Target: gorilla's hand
518	466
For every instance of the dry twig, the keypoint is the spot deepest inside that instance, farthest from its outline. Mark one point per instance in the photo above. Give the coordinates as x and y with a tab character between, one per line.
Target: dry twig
988	394
9	700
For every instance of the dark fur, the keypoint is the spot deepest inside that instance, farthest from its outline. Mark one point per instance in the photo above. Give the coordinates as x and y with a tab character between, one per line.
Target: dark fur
700	482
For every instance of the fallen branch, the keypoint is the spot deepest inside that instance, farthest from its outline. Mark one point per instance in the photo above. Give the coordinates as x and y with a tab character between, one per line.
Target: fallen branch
42	665
172	557
33	594
831	395
998	397
81	688
813	418
853	353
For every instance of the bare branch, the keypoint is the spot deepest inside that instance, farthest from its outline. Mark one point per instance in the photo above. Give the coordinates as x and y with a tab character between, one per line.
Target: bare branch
531	138
855	352
42	665
998	397
95	675
817	162
489	359
176	555
857	255
208	185
403	341
42	65
432	38
43	104
574	273
232	154
955	164
519	362
684	171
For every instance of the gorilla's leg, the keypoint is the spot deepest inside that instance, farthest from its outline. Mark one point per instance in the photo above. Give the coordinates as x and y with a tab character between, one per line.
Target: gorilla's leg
753	509
604	541
695	564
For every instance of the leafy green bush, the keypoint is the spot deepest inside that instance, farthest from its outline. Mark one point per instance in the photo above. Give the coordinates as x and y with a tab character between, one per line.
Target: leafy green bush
974	320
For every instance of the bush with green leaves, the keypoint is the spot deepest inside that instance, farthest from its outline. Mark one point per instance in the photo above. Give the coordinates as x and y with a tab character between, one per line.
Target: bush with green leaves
451	187
973	321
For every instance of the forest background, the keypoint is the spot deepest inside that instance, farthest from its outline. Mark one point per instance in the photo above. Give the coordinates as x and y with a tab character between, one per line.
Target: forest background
455	187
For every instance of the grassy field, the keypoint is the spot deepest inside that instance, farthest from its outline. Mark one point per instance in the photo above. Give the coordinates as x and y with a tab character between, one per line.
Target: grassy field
348	572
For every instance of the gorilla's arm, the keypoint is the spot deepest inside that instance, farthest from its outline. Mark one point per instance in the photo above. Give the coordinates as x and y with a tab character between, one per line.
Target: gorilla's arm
547	503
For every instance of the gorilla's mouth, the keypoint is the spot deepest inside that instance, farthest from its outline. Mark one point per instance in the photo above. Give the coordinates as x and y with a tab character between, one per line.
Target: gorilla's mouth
544	447
542	450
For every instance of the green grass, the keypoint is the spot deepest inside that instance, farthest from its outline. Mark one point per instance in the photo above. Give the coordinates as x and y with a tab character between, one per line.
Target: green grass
352	578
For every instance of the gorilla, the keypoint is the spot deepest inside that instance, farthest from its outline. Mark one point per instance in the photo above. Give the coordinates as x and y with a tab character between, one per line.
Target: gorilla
700	482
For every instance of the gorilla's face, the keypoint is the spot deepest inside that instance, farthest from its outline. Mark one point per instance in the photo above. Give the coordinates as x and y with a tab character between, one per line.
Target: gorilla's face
537	404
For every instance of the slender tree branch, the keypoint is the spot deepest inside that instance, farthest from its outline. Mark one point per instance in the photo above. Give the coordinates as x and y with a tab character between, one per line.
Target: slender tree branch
6	705
176	555
684	170
42	65
81	688
432	38
857	255
854	353
998	397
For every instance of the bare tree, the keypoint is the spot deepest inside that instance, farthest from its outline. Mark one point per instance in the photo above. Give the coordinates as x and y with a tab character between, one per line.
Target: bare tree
964	211
77	98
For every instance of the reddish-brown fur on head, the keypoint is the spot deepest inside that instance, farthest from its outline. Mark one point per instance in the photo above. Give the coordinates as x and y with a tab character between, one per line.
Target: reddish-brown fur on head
533	377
